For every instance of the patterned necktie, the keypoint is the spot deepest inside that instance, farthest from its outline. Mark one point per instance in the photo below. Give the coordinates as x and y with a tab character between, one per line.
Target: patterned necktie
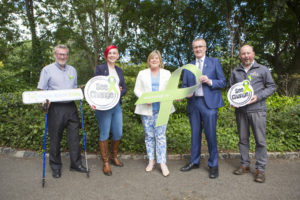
200	65
199	91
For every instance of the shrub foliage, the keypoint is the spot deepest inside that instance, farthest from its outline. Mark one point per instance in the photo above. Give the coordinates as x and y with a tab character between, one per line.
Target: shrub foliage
22	126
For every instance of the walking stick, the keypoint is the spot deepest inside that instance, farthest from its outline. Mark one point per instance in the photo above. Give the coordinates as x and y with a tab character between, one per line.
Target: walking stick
45	140
83	135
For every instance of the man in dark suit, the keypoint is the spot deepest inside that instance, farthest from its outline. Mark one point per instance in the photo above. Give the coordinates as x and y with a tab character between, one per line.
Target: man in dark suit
203	106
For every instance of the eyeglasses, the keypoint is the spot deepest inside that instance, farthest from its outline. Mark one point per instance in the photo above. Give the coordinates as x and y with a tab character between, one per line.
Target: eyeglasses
200	46
62	54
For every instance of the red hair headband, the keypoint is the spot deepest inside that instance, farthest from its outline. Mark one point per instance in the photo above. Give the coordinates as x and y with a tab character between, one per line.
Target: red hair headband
108	49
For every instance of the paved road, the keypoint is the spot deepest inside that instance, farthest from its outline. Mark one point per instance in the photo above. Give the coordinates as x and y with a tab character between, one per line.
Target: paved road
20	178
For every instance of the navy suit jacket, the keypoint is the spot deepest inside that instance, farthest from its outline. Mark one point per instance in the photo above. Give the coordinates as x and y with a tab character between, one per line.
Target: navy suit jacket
212	94
102	70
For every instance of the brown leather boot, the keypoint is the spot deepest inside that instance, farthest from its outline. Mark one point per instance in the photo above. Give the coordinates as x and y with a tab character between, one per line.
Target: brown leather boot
260	176
114	153
103	145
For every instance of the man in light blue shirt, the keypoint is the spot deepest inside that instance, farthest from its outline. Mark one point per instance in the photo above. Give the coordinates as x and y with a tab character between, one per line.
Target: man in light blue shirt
61	115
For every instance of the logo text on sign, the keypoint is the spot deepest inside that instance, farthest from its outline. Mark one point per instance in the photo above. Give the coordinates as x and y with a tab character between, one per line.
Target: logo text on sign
240	94
102	92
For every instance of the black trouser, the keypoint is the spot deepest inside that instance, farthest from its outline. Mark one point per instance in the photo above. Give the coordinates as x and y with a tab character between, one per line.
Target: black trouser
61	116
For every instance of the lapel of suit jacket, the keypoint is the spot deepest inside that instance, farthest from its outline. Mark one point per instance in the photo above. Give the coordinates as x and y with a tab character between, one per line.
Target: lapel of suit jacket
162	75
106	72
205	64
194	63
148	80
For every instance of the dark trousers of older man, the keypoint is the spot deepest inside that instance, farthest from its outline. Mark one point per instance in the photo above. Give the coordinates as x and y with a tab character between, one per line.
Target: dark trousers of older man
257	121
61	116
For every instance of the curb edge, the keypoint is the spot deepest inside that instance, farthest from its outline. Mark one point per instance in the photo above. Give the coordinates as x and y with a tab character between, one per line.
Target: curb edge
30	154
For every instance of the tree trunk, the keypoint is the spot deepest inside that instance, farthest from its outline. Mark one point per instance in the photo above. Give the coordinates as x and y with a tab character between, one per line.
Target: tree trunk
95	37
107	41
37	57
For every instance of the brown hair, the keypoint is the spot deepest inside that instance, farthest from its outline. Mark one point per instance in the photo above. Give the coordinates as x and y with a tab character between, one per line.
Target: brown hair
199	39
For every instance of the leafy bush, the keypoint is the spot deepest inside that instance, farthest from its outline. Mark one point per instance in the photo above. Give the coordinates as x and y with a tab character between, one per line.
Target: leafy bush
282	131
22	126
283	124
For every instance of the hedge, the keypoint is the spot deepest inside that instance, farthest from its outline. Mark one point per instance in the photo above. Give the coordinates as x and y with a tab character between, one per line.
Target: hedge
22	126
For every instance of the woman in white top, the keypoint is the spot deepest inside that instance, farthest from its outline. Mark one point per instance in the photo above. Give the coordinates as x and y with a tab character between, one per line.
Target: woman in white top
155	78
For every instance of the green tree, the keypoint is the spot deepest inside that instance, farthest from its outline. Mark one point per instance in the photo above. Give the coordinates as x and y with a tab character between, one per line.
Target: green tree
149	25
9	33
88	25
15	74
277	42
138	27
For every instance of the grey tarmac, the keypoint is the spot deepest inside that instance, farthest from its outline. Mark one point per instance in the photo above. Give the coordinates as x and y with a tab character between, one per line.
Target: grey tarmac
20	178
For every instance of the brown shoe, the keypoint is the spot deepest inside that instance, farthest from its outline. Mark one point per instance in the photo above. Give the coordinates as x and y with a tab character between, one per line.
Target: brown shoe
103	145
241	170
114	153
260	176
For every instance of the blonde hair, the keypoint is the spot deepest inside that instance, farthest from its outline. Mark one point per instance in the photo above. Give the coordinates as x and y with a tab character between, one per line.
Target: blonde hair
155	53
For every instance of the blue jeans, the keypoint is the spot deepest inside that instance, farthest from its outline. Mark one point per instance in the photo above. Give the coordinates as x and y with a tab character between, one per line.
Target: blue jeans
110	119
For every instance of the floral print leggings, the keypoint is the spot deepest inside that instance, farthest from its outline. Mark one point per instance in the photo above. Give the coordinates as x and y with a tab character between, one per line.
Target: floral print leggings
155	137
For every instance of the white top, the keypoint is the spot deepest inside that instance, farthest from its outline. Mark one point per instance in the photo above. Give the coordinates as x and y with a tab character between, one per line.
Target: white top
143	84
113	72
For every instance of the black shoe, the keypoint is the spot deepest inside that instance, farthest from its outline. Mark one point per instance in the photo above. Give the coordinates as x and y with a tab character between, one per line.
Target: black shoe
56	173
213	172
189	166
79	168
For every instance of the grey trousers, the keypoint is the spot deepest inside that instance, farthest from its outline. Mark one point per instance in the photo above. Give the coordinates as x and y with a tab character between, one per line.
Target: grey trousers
257	121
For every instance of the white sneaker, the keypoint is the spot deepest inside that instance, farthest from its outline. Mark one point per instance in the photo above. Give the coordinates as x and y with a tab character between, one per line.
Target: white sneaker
164	169
150	166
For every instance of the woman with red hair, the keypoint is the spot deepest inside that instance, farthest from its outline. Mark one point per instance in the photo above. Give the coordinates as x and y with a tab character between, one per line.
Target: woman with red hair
112	118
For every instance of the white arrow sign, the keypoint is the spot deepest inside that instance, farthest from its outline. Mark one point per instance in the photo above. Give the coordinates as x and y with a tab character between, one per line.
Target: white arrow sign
30	97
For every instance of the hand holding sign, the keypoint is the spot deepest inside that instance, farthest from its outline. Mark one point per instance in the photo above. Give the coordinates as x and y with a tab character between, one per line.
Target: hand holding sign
253	99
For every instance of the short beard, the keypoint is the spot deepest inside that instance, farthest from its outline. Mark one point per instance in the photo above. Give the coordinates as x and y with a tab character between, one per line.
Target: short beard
62	64
246	64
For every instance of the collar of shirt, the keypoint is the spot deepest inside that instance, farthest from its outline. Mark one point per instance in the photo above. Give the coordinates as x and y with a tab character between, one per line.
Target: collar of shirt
59	67
249	67
198	60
